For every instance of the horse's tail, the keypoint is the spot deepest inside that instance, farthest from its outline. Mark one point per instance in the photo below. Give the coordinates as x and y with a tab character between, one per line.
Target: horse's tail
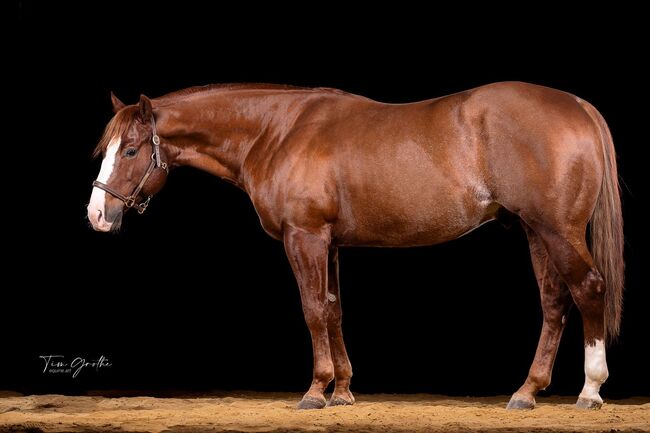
607	231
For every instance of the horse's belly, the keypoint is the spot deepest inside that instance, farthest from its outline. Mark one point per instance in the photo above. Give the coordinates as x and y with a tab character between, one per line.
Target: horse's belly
404	236
422	219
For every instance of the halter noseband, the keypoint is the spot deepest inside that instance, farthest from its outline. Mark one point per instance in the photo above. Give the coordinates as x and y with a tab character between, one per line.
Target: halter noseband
155	163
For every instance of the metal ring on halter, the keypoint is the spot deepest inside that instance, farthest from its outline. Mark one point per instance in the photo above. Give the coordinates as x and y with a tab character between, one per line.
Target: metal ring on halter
143	206
163	164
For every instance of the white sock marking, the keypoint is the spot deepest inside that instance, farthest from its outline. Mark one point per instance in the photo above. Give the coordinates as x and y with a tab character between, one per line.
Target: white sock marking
595	370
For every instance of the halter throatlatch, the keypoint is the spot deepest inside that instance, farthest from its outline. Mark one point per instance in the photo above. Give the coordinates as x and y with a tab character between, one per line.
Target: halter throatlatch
156	162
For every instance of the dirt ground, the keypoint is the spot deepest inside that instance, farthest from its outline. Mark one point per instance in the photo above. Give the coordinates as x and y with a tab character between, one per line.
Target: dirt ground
271	412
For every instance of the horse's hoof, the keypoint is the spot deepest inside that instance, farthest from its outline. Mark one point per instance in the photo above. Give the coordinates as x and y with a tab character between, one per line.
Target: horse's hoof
309	402
519	403
588	403
339	401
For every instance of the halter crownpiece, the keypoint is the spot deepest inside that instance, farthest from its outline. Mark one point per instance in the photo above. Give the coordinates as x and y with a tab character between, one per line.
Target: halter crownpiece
156	162
156	143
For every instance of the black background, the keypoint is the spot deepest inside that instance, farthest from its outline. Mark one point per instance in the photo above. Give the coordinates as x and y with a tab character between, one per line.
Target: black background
194	295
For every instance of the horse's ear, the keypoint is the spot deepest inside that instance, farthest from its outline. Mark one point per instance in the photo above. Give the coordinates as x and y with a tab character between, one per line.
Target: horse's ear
117	104
145	111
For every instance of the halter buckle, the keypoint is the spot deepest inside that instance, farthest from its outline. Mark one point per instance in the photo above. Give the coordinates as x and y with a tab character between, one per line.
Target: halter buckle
129	202
143	206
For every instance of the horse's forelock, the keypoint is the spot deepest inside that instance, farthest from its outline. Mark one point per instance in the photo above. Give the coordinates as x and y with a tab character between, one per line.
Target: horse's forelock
115	128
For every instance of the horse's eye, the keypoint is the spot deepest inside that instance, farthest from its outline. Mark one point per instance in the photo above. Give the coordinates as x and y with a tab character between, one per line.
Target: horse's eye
130	152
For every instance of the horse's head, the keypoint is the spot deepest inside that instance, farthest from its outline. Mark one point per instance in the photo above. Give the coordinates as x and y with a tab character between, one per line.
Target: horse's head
134	165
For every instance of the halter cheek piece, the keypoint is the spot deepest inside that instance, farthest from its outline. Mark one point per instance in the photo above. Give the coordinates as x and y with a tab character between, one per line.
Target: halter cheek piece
155	163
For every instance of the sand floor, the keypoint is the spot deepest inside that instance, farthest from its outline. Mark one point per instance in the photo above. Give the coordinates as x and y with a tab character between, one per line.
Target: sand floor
274	412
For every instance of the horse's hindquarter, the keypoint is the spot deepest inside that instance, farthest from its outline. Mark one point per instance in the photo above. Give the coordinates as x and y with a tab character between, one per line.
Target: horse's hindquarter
543	153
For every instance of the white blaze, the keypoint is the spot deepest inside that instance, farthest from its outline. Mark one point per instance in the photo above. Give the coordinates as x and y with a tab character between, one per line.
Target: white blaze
595	370
96	207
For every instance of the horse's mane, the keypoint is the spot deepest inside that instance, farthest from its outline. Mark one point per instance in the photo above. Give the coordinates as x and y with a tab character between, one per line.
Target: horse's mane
242	86
122	121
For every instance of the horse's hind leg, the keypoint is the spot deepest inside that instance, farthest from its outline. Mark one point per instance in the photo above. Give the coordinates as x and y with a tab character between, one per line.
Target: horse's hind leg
570	256
556	302
342	366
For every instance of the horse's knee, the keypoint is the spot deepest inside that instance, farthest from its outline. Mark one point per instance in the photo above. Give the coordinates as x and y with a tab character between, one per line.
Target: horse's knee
316	318
555	319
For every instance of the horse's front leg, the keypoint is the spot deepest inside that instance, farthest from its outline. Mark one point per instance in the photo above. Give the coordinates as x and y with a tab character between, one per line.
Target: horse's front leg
342	366
307	252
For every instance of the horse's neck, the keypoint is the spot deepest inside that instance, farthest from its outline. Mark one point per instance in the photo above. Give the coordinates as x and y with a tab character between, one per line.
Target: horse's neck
215	133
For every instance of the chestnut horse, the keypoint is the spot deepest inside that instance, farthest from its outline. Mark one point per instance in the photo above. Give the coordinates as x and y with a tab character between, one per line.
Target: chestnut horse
325	169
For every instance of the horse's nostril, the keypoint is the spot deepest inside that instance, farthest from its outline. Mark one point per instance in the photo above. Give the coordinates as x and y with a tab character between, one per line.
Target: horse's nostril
99	214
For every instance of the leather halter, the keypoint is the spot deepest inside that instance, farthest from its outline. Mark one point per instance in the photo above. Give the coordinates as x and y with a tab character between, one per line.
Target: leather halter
130	201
